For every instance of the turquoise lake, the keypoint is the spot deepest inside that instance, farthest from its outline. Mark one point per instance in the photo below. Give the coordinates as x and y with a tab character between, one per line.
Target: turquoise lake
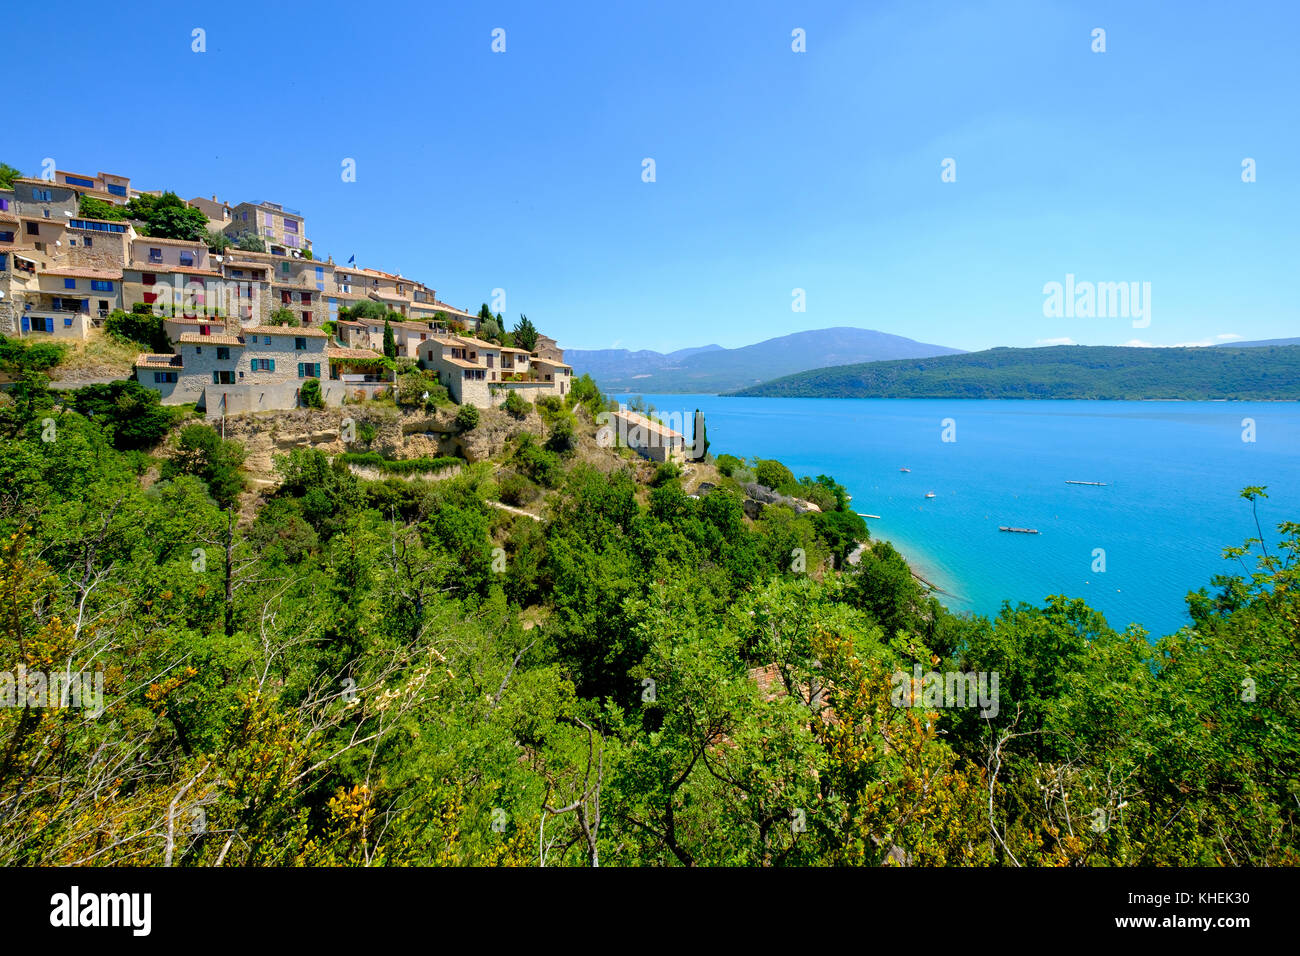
1170	506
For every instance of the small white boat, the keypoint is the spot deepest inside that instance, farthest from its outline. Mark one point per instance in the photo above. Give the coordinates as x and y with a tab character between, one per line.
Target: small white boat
908	470
929	494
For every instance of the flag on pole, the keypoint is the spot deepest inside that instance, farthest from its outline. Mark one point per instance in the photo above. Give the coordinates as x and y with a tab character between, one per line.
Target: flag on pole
352	259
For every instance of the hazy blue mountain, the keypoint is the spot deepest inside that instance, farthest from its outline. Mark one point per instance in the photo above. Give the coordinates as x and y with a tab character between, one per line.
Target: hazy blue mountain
712	368
1258	343
1063	371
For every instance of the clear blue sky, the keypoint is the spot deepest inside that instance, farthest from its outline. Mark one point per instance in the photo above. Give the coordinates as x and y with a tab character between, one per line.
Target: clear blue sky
775	170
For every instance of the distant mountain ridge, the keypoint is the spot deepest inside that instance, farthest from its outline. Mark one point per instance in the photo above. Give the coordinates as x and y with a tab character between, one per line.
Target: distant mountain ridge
1258	343
712	368
1063	371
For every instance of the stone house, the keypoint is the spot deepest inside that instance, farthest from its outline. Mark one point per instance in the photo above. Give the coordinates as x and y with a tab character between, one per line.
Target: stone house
261	368
281	228
647	438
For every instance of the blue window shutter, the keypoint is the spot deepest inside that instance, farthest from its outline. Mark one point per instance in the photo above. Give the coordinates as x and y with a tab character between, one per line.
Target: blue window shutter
27	324
272	368
300	375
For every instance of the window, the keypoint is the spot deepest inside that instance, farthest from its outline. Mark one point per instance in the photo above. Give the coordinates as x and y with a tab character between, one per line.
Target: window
306	318
4	263
97	226
42	195
206	330
309	369
223	353
306	298
32	229
300	343
187	258
101	285
198	350
118	191
7	236
155	255
289	225
266	340
149	278
69	283
87	241
164	378
263	365
79	181
284	268
4	205
223	378
67	323
284	297
320	279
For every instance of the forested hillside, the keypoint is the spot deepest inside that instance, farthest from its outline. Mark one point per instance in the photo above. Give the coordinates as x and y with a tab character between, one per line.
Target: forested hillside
650	671
1063	371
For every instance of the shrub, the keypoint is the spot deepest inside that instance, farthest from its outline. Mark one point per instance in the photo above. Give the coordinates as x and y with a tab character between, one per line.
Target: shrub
666	472
411	387
727	464
283	316
139	326
310	394
399	466
562	438
517	490
770	473
538	463
517	405
467	418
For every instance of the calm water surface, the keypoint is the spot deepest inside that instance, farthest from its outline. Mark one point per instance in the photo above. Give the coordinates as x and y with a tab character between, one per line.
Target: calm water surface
1170	506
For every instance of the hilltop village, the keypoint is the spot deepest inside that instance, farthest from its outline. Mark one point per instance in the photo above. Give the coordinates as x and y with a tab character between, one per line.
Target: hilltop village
253	320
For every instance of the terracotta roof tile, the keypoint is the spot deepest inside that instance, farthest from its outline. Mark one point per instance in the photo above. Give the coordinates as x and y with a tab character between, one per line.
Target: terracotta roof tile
82	273
147	360
286	330
338	353
216	338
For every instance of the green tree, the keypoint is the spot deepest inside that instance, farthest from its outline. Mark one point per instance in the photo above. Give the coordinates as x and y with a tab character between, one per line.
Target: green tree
248	242
130	413
88	207
203	453
283	316
7	176
168	217
525	334
218	242
390	343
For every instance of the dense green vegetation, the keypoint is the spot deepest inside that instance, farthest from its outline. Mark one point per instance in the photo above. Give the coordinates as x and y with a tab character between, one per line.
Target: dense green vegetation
348	672
141	326
400	466
1065	371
